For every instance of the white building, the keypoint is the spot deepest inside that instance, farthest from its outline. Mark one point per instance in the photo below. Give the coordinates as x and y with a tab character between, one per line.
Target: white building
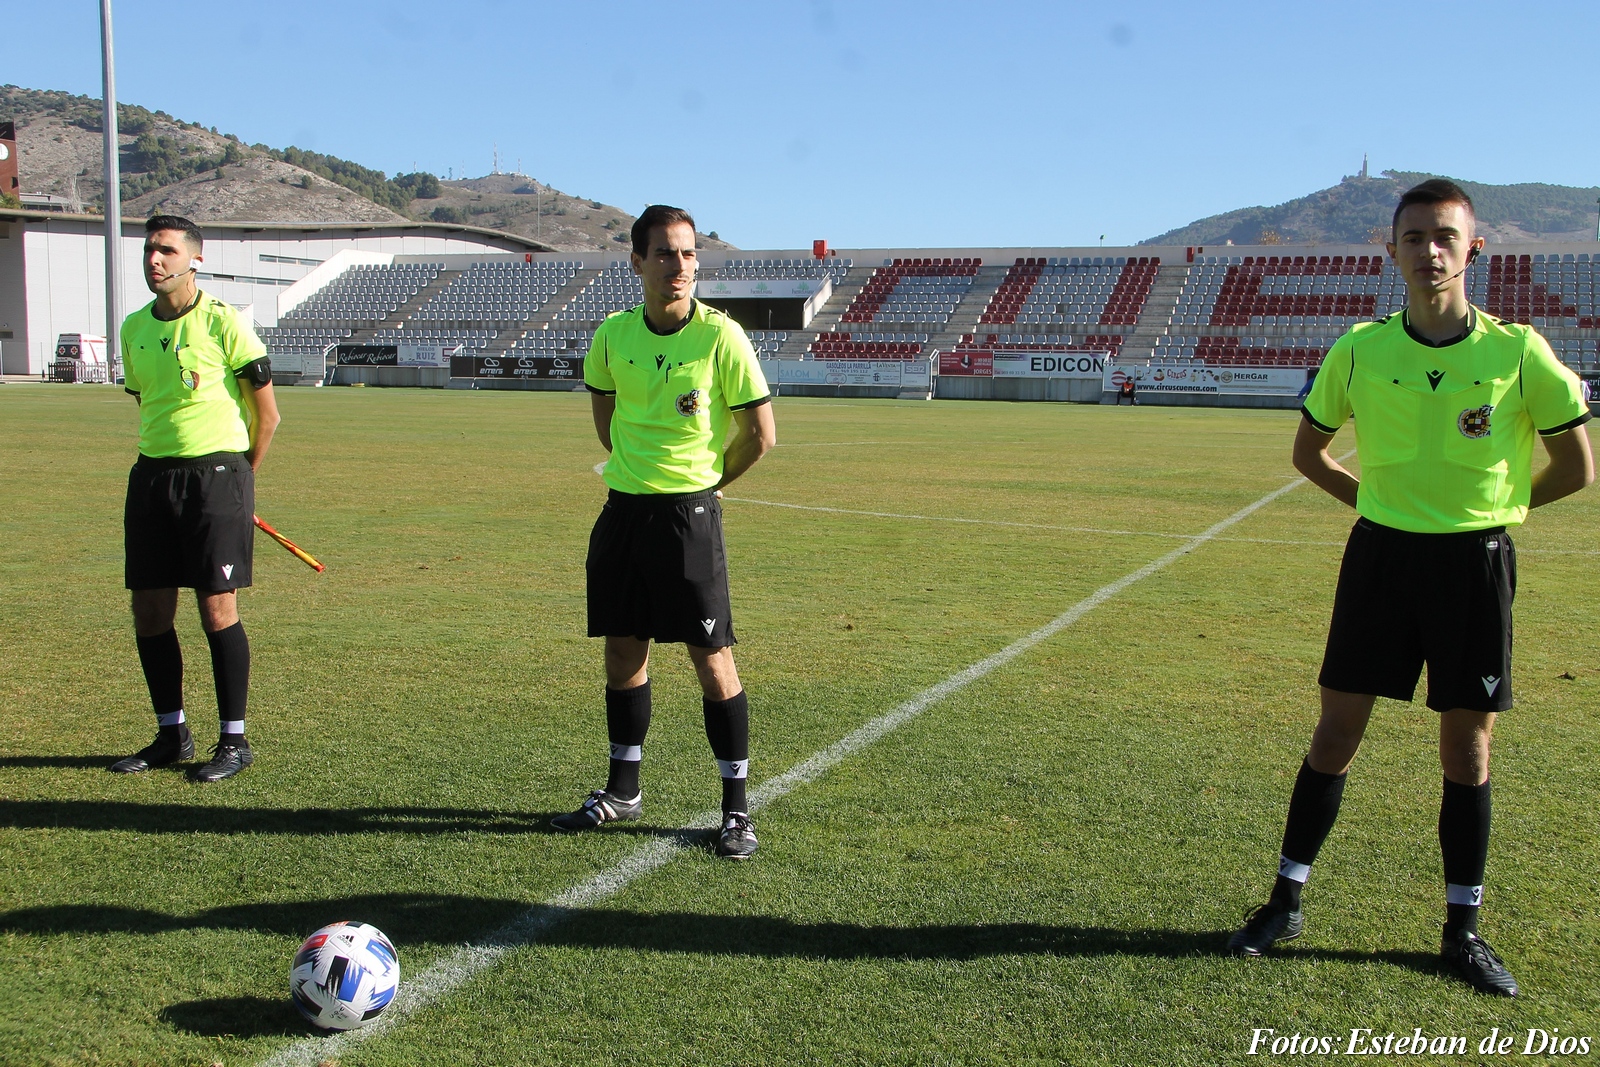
52	268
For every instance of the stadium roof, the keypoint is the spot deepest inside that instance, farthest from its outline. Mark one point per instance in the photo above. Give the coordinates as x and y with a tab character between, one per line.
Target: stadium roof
408	225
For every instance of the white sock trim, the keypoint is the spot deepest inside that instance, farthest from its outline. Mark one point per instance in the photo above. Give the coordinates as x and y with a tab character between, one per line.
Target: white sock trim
233	726
170	718
733	768
627	753
1295	872
1463	894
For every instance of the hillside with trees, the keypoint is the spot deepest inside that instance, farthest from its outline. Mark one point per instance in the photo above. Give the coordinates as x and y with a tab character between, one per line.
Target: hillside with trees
169	165
1359	209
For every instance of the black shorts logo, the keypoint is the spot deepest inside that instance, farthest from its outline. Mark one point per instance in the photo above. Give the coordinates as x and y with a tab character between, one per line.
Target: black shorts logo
691	403
1474	422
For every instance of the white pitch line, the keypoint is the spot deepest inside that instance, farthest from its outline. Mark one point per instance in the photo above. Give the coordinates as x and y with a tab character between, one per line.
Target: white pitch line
1106	532
1027	525
467	962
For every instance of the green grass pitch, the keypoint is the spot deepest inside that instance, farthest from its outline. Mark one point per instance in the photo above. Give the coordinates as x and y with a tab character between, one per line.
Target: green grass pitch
1040	869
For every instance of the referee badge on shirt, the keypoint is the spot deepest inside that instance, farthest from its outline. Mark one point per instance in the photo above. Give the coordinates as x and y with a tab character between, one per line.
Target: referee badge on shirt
191	379
691	403
1474	422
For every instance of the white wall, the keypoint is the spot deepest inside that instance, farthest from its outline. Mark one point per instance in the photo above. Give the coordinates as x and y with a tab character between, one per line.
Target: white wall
52	272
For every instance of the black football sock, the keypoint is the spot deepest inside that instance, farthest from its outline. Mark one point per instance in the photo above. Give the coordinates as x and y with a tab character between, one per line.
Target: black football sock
230	669
1464	840
162	661
627	721
1313	807
728	730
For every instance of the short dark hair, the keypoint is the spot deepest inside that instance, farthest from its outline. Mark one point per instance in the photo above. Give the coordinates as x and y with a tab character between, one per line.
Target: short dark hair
191	233
1432	191
656	215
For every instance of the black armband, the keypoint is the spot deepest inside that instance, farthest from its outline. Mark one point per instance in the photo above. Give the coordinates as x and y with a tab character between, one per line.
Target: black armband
257	372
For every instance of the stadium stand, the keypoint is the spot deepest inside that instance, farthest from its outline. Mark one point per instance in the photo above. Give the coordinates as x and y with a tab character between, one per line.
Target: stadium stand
1047	292
1246	351
913	291
1282	310
505	292
550	342
472	338
1540	290
1327	294
366	293
298	351
616	289
833	268
836	345
978	344
767	342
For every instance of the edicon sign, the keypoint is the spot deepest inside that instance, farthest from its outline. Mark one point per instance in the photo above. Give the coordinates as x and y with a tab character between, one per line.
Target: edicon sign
1088	365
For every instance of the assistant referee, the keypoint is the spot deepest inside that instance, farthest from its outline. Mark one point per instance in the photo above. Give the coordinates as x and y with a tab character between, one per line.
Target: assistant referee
1447	402
206	419
666	379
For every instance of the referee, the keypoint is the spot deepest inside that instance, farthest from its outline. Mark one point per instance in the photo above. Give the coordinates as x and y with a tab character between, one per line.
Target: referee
206	419
1447	402
666	379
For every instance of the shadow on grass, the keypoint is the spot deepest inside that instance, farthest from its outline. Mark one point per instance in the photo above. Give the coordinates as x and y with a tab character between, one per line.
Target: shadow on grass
448	919
187	819
237	1017
64	762
755	935
408	918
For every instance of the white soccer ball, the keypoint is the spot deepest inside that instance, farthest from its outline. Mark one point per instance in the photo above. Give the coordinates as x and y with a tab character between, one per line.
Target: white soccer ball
344	975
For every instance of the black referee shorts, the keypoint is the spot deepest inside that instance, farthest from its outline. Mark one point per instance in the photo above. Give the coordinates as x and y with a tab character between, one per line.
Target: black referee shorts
658	570
190	523
1405	599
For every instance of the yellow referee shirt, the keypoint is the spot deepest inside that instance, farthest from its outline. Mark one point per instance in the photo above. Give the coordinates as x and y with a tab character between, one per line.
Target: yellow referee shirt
1445	434
675	394
190	402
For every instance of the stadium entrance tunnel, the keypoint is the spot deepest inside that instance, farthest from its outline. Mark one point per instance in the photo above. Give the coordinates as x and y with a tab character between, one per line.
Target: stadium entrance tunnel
767	304
769	314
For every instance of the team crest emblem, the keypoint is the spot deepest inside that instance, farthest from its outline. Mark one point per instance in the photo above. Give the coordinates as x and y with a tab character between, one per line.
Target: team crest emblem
191	378
691	403
1474	422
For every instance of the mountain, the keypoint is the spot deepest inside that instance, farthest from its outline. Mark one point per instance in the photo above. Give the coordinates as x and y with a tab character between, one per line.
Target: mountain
176	167
1359	210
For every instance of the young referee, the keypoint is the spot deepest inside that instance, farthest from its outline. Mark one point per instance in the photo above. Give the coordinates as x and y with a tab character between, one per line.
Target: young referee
666	379
206	419
1447	402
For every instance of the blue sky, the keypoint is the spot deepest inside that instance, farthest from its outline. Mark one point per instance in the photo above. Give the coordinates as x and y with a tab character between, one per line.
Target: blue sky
873	124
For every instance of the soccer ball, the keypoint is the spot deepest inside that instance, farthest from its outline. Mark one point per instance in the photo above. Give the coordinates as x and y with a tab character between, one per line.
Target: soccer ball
344	975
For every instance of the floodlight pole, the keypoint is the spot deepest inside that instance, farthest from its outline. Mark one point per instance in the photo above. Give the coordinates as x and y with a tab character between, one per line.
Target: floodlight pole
113	198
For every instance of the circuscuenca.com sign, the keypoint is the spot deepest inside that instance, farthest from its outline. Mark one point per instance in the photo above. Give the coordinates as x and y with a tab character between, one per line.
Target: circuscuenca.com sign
1195	378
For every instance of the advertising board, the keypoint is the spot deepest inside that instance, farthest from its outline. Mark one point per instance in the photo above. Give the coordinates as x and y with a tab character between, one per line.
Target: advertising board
395	355
900	374
1085	366
1198	378
1049	364
510	365
972	364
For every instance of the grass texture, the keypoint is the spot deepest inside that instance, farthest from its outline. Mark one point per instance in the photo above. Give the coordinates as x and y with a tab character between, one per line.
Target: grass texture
1039	869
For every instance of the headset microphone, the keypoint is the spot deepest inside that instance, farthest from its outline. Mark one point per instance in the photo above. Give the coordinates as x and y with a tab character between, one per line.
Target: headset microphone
1472	255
